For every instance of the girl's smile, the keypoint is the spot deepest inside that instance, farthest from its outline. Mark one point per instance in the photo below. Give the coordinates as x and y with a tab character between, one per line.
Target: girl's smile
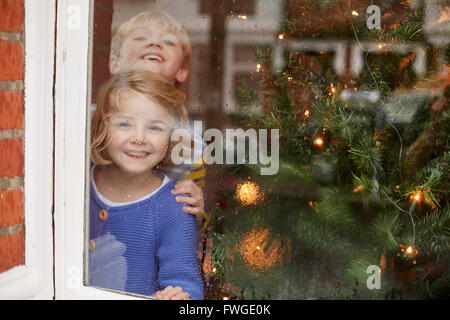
139	134
137	155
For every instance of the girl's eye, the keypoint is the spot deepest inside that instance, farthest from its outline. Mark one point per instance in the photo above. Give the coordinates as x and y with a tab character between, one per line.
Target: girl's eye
139	38
155	128
124	124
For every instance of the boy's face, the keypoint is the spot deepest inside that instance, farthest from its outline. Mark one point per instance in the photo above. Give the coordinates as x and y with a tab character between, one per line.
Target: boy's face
153	49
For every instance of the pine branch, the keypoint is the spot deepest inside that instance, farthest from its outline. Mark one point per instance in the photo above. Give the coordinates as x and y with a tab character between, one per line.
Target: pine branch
366	153
418	154
385	229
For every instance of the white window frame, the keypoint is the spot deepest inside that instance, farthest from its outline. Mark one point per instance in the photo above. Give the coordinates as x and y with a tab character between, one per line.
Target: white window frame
72	85
34	279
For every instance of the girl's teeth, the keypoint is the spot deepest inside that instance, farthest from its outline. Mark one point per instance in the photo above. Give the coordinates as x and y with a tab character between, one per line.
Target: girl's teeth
137	154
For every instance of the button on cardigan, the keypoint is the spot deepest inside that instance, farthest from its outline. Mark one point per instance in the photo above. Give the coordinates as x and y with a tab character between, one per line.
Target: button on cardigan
143	246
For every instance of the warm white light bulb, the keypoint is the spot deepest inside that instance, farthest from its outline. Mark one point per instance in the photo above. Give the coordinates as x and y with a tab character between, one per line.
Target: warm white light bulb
318	142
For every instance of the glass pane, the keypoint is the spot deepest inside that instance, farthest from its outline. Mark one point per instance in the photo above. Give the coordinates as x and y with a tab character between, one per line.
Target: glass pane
323	129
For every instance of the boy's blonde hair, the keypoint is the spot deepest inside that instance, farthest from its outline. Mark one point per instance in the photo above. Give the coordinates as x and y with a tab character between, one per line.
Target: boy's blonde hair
146	18
147	83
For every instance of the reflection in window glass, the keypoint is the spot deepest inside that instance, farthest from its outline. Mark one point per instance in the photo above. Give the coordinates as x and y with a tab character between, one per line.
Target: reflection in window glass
318	134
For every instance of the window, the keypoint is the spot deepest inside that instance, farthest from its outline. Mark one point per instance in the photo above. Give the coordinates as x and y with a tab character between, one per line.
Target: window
34	279
72	84
324	130
313	88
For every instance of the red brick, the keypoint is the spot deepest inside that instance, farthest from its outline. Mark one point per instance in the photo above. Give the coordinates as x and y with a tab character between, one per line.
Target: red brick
100	66
100	70
102	26
11	207
12	15
11	110
12	250
11	61
106	3
11	158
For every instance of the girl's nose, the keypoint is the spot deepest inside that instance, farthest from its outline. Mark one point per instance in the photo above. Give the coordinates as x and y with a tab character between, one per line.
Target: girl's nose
139	137
138	141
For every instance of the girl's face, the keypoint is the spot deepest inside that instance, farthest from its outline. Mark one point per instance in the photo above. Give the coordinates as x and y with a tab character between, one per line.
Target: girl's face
139	133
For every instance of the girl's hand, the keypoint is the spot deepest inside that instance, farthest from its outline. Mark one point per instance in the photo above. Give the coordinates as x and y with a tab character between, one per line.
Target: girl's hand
195	199
172	293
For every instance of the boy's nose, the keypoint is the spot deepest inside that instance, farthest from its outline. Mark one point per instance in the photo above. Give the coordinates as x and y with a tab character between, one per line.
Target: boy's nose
154	43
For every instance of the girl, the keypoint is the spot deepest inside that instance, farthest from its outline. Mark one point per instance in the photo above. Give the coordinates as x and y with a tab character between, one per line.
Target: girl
140	241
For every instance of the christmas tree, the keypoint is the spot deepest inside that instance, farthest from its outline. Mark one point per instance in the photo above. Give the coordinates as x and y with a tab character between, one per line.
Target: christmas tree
359	208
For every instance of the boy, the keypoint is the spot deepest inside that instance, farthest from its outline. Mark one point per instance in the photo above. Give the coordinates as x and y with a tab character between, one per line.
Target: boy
155	42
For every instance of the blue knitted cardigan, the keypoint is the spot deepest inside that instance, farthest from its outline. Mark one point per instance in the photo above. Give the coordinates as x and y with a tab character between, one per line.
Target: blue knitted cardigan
143	246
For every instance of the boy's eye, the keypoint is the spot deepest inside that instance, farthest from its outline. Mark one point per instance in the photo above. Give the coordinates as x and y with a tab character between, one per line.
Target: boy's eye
140	38
169	42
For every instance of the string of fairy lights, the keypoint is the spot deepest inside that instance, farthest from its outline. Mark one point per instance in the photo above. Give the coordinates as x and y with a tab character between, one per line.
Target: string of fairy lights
248	193
416	196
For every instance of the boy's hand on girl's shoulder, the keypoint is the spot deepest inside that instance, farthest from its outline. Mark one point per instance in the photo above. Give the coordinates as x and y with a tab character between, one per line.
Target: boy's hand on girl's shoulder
172	293
195	201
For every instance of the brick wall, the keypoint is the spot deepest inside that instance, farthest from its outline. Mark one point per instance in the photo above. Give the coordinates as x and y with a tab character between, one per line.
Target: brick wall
12	237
